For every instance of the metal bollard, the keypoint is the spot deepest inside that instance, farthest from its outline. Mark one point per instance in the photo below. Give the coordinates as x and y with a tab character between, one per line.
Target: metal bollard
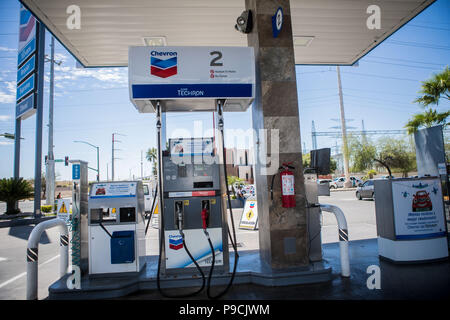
343	237
33	253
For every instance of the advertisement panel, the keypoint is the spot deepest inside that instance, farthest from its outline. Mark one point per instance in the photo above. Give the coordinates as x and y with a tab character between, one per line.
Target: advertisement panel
176	256
113	190
249	218
418	209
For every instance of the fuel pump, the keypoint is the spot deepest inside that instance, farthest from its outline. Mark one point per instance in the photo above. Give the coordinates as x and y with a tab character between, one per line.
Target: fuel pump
191	194
178	218
205	214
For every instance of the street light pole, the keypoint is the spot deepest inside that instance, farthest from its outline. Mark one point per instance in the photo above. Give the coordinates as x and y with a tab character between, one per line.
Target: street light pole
50	172
98	157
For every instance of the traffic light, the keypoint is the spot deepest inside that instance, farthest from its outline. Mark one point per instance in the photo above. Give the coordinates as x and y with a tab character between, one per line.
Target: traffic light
66	161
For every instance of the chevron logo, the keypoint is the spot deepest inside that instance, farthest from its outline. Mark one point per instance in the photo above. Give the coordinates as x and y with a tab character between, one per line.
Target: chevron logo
163	68
27	22
175	242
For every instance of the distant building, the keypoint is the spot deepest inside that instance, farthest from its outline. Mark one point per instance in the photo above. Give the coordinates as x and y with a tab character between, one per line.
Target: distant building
240	164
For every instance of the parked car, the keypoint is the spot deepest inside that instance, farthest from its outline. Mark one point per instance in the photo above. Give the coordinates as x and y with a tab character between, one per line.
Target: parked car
148	196
339	182
365	190
248	190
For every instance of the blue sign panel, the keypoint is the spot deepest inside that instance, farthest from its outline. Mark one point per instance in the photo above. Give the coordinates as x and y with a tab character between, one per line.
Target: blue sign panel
76	172
26	69
25	108
26	87
27	51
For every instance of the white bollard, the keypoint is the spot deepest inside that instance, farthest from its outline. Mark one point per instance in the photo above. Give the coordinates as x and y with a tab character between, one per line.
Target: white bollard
33	253
343	237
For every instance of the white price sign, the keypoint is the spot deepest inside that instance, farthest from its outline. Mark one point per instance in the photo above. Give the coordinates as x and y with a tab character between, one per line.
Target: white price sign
166	73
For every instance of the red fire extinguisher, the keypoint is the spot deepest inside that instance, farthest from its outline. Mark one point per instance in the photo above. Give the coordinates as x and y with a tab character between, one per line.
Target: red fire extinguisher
287	186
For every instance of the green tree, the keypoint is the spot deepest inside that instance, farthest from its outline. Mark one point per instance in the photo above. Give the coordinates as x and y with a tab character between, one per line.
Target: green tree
398	154
432	91
362	153
13	190
151	156
232	180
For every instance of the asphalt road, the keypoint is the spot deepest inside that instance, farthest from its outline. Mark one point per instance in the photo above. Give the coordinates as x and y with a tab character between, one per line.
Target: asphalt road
13	242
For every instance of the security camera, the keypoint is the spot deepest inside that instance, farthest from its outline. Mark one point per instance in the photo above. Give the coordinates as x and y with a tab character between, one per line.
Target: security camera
244	22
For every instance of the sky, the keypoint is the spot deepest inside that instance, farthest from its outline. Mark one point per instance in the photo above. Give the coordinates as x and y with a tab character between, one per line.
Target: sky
92	104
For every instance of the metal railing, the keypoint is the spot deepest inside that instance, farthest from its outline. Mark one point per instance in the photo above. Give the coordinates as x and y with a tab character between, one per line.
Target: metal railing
33	253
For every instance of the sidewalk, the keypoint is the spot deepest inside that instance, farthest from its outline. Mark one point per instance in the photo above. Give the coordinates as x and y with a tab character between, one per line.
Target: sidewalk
405	282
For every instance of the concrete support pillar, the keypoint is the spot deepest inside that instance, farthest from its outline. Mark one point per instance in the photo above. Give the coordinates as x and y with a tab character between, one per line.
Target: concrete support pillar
282	231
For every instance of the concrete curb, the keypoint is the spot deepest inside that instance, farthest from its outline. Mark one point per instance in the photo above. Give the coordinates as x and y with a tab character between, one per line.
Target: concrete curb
23	222
343	189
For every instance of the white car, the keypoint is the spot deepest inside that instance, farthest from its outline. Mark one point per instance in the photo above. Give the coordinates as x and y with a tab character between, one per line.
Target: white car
339	182
148	196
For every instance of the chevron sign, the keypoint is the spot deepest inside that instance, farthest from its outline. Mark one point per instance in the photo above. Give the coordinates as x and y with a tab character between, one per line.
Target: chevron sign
27	35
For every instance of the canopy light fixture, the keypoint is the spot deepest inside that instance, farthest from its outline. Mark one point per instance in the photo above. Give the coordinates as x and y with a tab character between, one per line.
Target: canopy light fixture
155	41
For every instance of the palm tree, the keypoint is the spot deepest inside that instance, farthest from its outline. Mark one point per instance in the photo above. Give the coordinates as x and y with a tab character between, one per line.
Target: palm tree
435	88
432	91
13	190
152	157
426	119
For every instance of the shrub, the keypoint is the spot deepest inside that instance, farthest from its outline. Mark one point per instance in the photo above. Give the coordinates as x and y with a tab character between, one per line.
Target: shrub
13	190
46	208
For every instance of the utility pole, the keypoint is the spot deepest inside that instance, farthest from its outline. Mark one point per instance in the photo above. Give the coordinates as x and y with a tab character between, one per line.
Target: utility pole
313	136
142	166
112	153
345	154
50	165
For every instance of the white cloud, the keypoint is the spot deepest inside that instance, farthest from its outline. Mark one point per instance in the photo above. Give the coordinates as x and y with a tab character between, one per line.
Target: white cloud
6	143
7	49
10	95
4	117
106	76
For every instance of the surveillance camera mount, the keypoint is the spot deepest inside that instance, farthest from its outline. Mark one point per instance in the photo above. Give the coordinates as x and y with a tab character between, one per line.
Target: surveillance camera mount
244	23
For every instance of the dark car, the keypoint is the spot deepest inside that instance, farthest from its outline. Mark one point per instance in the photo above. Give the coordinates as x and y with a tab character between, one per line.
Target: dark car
365	190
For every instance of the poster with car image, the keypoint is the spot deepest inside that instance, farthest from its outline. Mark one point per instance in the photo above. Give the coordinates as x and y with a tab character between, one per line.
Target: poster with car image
418	209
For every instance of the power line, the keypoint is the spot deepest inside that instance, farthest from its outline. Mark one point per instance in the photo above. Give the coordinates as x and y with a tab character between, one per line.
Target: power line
378	76
417	44
406	60
402	65
427	27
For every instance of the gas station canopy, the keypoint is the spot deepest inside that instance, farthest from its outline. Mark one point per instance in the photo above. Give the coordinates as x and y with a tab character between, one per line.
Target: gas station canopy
324	31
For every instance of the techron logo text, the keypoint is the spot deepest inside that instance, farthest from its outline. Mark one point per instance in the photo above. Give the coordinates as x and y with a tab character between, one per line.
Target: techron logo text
163	64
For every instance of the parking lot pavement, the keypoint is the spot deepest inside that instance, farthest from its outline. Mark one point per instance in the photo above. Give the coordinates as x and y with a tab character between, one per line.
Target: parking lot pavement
13	244
360	216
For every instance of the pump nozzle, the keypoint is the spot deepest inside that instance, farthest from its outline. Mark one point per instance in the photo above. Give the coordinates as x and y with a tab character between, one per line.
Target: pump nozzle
179	214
